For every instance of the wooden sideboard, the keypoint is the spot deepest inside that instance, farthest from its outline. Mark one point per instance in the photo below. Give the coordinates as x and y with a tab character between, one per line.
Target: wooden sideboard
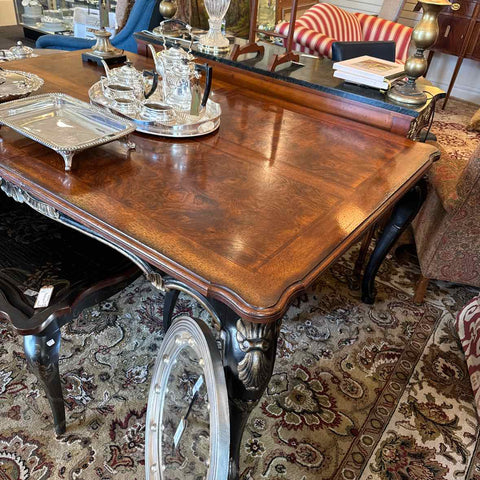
459	35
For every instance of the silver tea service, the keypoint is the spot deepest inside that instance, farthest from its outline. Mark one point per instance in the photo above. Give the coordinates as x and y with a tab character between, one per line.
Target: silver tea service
117	90
177	108
180	75
158	112
128	82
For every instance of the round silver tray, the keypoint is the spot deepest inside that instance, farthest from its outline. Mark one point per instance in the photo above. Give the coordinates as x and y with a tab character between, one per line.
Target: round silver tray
16	84
182	126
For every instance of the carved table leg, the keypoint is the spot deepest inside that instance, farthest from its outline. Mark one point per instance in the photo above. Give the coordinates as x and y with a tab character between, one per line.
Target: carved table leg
403	213
42	352
248	359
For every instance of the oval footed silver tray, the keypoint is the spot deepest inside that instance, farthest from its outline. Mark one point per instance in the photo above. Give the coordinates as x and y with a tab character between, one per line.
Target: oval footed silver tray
182	125
187	415
15	84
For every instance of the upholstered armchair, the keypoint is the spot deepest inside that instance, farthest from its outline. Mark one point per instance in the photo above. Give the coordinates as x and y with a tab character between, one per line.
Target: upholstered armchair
139	18
323	24
447	228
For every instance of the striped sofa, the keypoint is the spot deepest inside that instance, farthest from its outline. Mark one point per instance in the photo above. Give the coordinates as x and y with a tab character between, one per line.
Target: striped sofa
323	24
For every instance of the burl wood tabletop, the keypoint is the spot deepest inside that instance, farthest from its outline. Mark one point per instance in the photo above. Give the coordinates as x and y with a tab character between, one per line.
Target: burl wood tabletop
250	214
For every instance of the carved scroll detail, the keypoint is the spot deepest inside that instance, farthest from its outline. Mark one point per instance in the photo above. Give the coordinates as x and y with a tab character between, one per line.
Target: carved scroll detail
155	279
21	196
420	122
254	339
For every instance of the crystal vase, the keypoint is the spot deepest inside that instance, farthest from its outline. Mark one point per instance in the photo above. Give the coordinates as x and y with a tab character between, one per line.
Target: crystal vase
214	41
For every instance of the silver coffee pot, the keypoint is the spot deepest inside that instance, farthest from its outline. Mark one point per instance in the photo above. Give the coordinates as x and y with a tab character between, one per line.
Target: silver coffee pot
180	75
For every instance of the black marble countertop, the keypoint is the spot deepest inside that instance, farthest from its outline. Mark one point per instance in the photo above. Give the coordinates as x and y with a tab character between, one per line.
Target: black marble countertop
311	72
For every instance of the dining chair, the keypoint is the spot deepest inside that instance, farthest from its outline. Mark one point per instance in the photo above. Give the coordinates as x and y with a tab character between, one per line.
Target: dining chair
447	228
39	253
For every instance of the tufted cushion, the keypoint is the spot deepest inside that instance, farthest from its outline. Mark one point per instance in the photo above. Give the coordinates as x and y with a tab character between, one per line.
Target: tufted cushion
379	29
320	26
468	327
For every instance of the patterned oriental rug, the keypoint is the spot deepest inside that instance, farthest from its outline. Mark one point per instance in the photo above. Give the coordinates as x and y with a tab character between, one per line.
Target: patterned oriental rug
359	392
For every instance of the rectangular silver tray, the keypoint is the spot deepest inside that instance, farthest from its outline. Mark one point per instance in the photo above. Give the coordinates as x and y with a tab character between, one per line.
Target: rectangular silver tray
63	123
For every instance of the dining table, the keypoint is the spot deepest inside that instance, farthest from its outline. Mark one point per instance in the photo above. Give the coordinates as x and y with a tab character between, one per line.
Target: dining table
244	218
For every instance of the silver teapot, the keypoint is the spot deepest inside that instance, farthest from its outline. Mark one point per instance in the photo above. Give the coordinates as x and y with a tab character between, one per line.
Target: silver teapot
129	78
180	75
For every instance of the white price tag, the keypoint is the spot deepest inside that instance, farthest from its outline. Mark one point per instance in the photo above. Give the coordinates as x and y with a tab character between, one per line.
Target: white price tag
30	292
198	385
44	296
179	432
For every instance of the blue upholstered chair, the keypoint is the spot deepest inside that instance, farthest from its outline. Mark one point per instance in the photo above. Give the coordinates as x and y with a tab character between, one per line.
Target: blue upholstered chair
139	19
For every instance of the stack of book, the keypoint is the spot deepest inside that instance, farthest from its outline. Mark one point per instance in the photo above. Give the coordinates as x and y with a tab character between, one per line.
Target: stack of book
369	71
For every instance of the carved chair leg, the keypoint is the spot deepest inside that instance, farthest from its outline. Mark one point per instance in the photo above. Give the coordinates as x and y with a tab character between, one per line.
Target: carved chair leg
171	297
420	290
249	358
42	352
403	213
362	255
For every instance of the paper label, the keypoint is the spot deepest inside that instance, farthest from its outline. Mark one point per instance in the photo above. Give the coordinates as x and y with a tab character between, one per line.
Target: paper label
44	296
179	432
198	385
30	293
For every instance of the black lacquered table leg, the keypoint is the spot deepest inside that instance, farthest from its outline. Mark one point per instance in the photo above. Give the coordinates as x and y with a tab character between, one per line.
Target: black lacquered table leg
42	352
250	350
403	213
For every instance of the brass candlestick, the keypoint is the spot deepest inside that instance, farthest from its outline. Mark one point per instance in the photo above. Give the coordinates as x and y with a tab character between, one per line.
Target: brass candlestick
424	36
103	49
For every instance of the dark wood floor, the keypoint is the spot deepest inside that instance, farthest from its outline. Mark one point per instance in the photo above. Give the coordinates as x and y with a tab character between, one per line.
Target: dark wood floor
9	36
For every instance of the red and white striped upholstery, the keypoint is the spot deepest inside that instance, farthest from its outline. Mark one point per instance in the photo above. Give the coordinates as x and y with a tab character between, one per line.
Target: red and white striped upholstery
323	24
320	26
379	29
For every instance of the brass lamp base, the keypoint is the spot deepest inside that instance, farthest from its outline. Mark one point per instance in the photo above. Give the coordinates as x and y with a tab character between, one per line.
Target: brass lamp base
407	93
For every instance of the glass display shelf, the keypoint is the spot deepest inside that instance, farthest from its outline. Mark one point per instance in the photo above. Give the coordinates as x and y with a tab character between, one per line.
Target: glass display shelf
40	17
